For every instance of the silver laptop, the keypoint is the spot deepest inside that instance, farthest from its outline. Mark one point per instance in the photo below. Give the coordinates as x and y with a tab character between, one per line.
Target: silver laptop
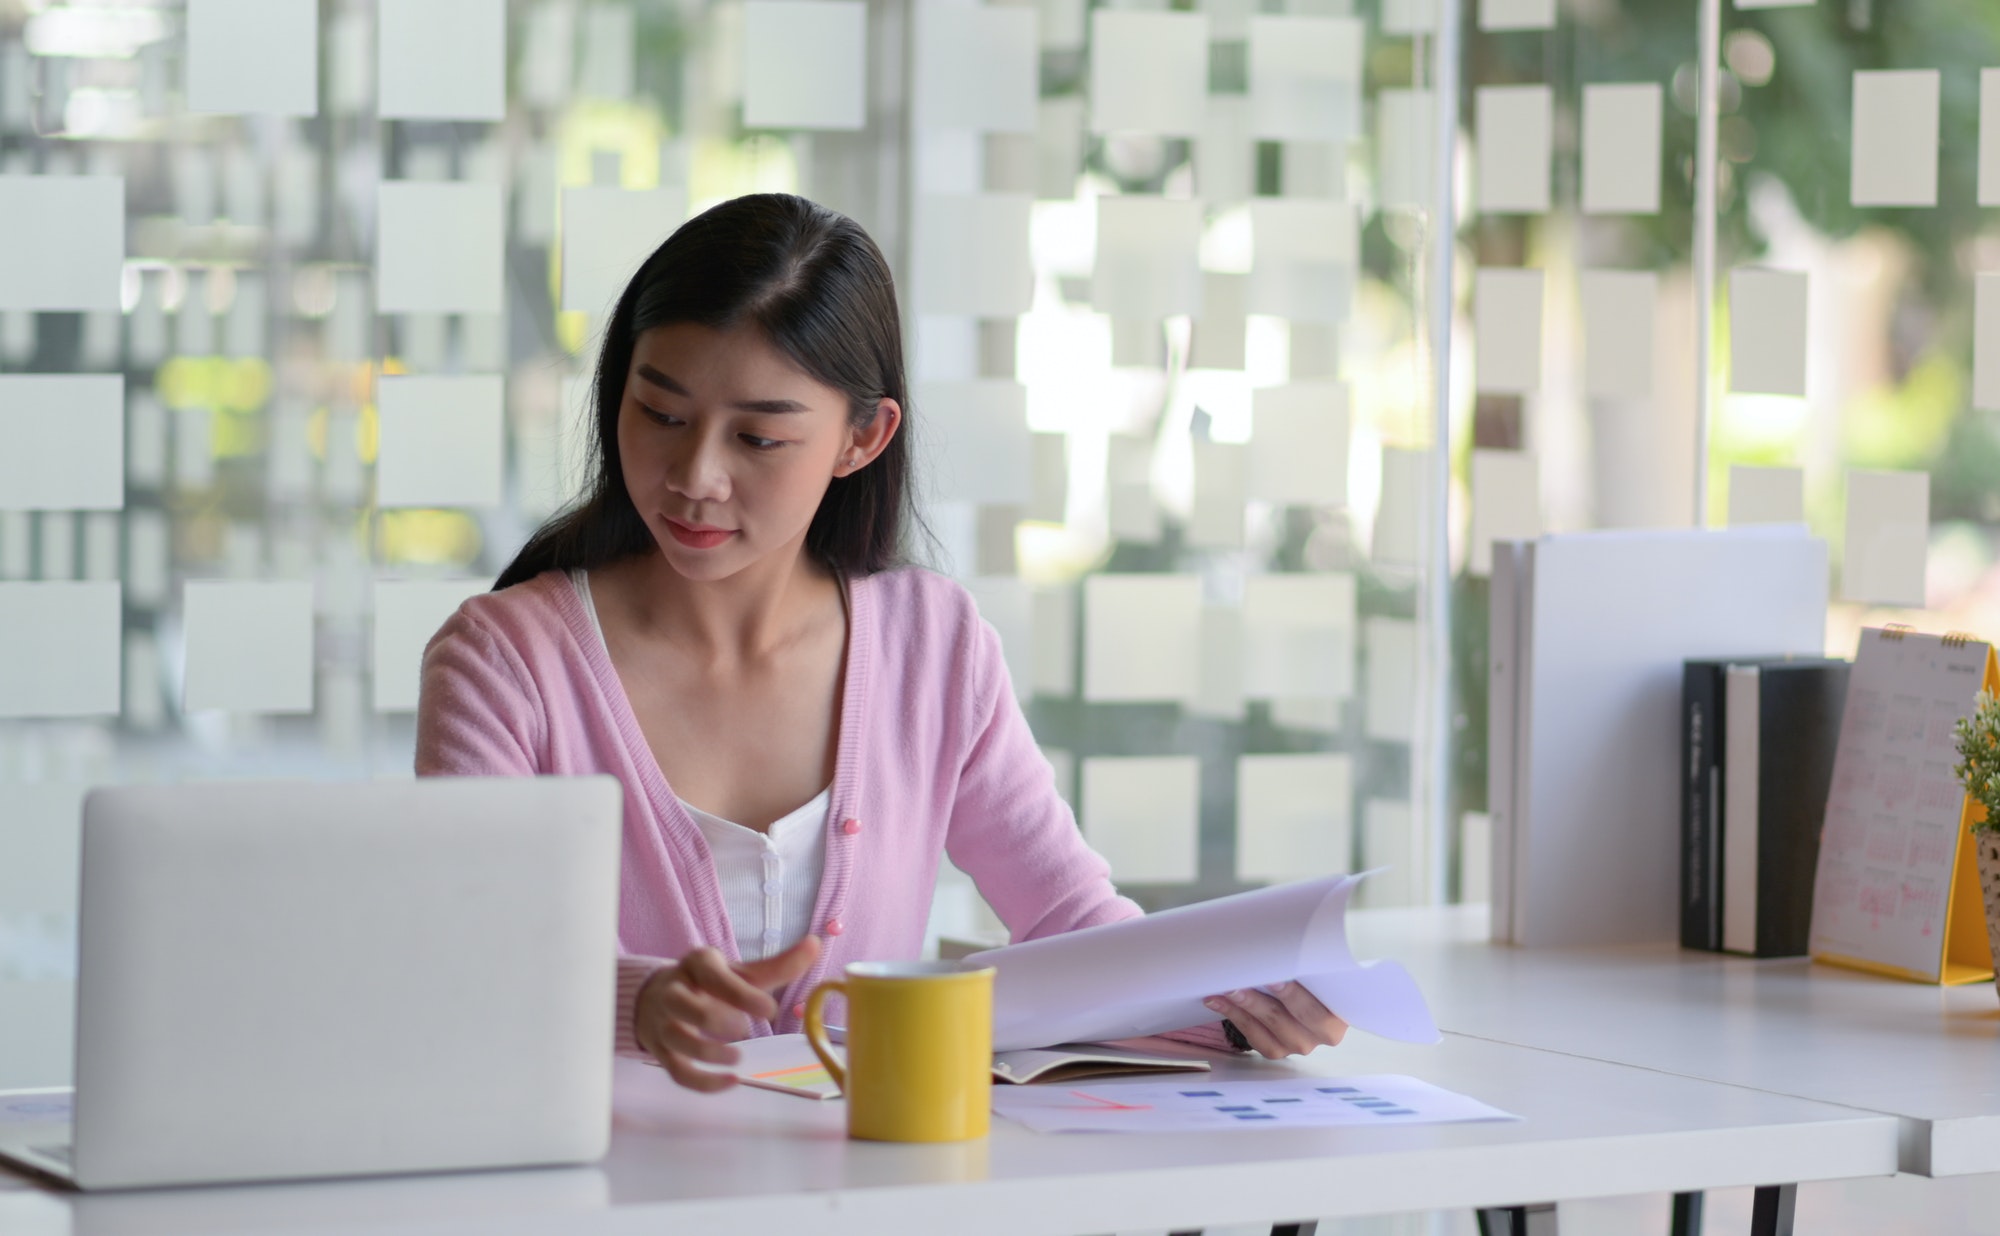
281	980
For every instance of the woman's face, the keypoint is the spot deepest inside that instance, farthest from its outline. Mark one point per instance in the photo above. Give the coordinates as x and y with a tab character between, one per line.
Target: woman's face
728	447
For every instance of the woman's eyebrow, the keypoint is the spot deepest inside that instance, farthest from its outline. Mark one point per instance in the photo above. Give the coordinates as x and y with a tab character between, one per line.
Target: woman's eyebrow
661	380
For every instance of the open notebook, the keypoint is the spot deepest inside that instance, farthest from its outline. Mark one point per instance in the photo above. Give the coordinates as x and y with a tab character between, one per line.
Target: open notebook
785	1063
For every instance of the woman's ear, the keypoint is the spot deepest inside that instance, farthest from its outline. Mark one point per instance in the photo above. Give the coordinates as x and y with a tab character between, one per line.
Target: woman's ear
866	442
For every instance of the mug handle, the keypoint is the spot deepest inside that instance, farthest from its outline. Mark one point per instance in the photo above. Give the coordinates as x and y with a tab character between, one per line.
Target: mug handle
816	1030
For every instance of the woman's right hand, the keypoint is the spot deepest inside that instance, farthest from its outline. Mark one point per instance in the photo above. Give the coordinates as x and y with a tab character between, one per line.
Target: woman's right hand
689	1013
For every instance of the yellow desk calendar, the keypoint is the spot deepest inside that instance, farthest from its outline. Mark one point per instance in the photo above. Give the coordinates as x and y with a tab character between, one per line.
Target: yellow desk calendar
1896	891
919	1049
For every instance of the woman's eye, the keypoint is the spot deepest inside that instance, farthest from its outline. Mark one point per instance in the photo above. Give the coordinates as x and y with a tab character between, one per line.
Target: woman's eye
658	417
762	444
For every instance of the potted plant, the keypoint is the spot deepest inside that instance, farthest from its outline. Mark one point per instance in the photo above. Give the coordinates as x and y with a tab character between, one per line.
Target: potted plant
1978	742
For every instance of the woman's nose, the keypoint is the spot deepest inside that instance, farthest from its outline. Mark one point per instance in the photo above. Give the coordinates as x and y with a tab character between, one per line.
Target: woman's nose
695	471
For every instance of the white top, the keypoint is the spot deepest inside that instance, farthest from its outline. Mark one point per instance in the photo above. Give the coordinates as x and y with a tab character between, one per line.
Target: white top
770	880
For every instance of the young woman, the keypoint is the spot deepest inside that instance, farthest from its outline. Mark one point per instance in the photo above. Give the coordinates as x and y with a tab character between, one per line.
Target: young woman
803	727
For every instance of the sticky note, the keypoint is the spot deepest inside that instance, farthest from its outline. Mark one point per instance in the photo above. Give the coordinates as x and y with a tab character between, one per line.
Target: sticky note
805	64
1517	14
1141	637
1766	496
972	255
977	67
1294	816
62	242
1621	149
1400	516
1888	537
442	440
1148	251
1053	634
1298	444
59	649
1619	307
1405	142
438	248
253	56
65	442
1221	474
1506	503
1298	636
1148	72
1895	138
1305	78
441	59
1767	331
1305	255
606	234
1511	174
407	613
1143	815
1389	840
1389	688
1507	331
249	645
1007	603
1986	342
1989	137
40	838
979	449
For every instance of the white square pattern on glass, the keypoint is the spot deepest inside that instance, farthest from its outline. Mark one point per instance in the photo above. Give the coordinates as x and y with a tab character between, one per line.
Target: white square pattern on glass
805	64
1888	537
59	649
1619	308
606	234
1298	445
1148	251
249	646
441	59
977	67
1766	496
1895	138
978	445
1148	72
443	441
407	613
1294	816
1507	331
1767	331
1142	814
438	248
1305	78
1506	503
1298	636
253	56
1621	149
62	242
1141	638
1515	128
65	442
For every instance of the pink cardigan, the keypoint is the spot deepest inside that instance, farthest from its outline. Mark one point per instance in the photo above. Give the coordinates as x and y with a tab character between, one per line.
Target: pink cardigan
935	758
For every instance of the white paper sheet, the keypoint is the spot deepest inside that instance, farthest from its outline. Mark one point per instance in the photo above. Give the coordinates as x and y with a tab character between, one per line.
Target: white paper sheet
253	56
1279	1103
443	440
1141	637
1621	149
606	233
1294	815
1149	975
1515	127
249	645
1142	814
1767	331
1147	249
438	248
1298	444
1517	14
1507	331
59	649
1305	78
1766	496
1619	307
977	67
1888	537
64	437
1148	72
78	250
1989	137
805	64
441	59
1506	503
1895	138
408	612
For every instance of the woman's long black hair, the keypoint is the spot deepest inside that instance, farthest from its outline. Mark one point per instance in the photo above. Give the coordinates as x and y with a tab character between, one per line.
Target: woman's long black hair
818	288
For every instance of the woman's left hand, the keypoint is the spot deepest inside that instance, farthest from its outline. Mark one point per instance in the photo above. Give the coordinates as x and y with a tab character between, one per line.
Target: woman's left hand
1285	1021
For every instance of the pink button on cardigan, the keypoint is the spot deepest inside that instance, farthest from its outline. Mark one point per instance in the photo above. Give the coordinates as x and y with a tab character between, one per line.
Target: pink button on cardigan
934	755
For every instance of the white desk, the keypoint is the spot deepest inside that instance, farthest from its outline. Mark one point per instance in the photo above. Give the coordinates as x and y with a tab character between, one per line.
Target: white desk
755	1161
1927	1055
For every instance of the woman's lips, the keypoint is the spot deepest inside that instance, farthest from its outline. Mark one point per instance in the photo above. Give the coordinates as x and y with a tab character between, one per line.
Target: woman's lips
695	537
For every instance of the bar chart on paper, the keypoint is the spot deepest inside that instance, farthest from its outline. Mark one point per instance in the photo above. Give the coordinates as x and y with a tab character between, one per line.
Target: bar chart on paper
1287	1102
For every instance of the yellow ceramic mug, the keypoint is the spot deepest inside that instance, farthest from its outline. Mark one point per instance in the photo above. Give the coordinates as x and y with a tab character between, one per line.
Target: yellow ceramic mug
919	1049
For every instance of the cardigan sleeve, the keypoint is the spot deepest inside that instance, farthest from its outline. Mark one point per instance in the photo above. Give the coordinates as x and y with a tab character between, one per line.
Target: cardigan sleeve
477	715
1015	836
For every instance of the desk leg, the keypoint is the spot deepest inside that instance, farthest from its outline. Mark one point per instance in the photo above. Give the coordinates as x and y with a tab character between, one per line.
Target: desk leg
1687	1214
1771	1212
1536	1220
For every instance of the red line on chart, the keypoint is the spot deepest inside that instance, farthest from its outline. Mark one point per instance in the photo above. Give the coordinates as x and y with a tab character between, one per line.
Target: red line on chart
1109	1105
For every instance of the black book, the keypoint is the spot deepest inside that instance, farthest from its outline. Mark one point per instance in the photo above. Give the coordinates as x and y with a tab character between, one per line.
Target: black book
1758	741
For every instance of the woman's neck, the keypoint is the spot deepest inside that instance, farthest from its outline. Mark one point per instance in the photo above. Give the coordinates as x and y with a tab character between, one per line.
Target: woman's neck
745	617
